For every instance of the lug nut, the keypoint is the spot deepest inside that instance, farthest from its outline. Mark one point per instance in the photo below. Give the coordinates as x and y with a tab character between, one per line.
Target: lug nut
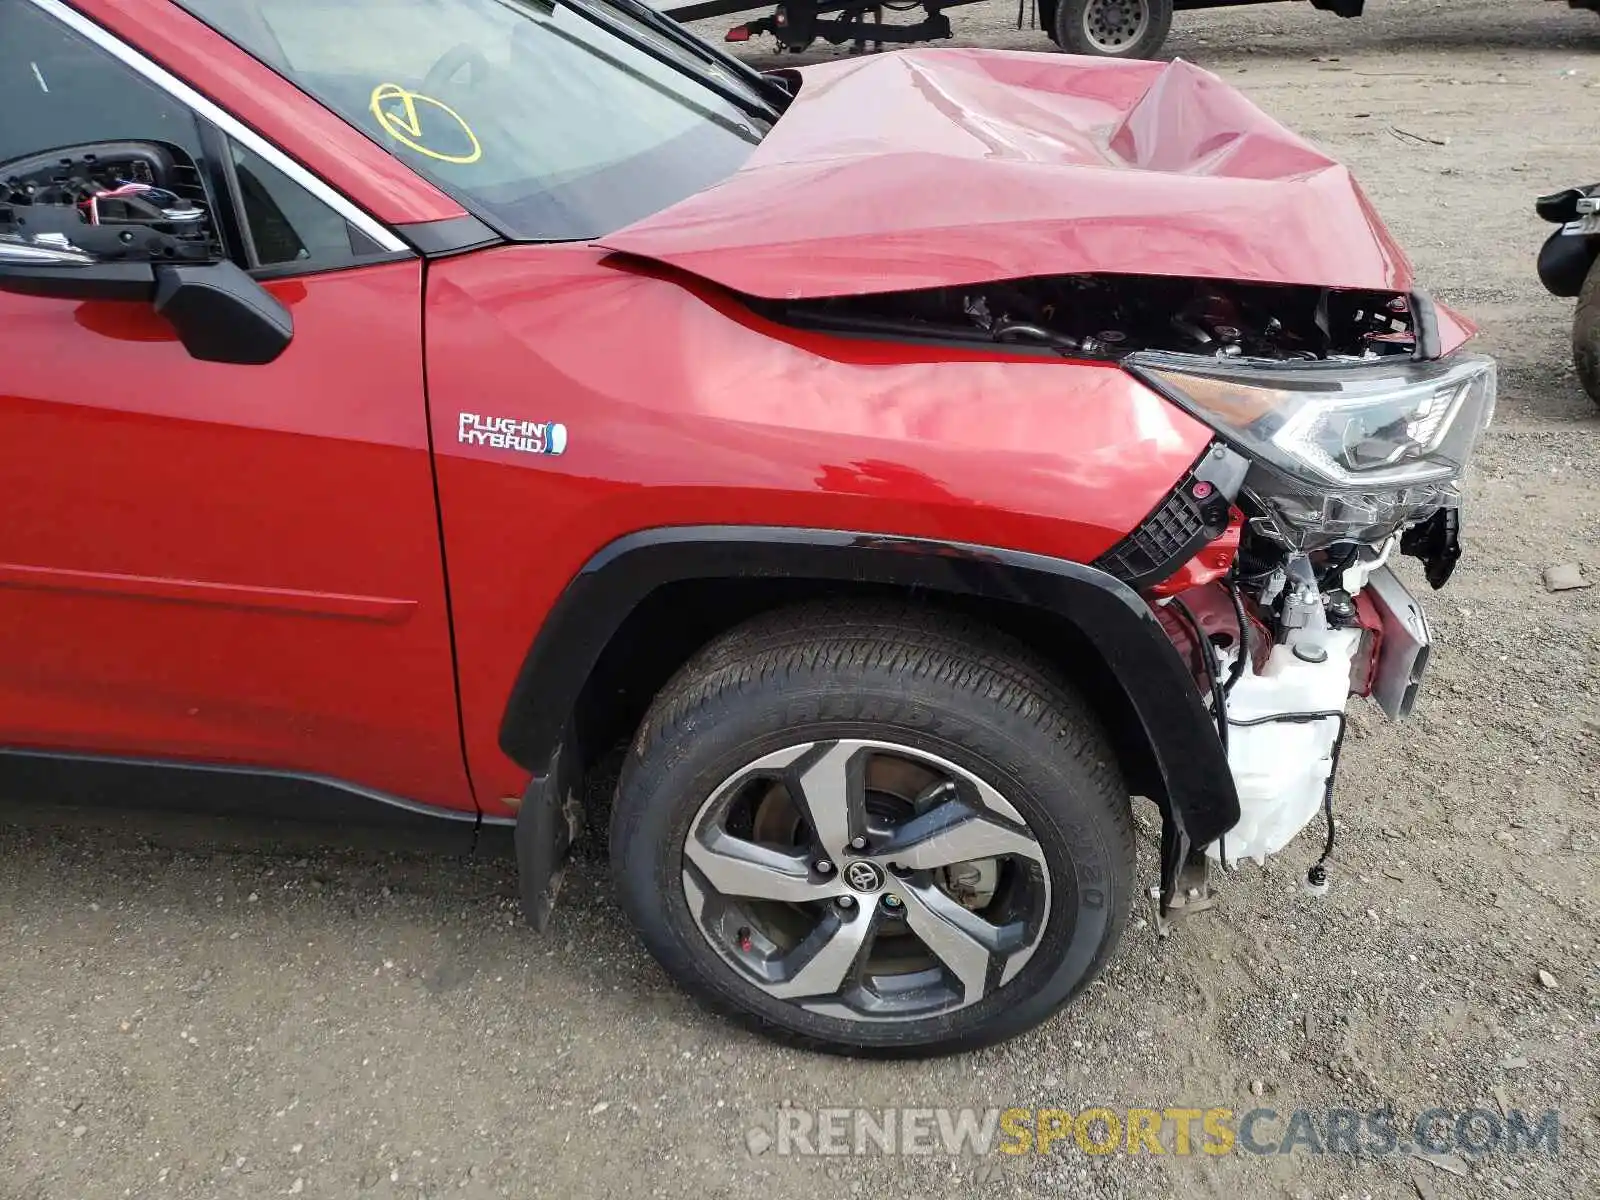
846	902
859	843
890	900
824	867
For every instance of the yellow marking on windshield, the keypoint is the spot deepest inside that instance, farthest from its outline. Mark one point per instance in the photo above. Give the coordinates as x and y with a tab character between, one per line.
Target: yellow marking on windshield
399	115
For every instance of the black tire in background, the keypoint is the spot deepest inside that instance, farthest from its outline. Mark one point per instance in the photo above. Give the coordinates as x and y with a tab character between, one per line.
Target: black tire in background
1586	335
936	685
1111	28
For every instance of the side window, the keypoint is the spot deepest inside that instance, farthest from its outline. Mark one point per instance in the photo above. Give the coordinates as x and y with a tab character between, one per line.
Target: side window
60	90
287	229
95	160
56	89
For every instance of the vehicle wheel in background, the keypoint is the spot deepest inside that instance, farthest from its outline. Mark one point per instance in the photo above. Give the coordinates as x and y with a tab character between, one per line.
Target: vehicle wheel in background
1112	28
874	831
1586	334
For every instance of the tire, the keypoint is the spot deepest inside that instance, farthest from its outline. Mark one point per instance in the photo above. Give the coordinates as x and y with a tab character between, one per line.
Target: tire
1112	28
1586	334
894	698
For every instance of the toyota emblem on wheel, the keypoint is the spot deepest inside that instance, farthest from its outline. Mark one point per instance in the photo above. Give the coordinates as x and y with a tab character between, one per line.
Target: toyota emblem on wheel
863	876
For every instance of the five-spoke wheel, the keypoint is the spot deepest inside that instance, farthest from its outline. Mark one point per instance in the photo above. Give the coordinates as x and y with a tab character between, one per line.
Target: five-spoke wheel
866	879
874	831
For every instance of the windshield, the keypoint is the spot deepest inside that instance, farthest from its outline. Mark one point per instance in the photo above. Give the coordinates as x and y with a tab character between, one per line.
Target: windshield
550	122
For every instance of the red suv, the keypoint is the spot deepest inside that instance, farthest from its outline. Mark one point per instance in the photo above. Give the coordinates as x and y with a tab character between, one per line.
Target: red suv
897	465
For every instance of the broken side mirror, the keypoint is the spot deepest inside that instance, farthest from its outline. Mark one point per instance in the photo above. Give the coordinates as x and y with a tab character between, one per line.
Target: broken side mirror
223	315
128	221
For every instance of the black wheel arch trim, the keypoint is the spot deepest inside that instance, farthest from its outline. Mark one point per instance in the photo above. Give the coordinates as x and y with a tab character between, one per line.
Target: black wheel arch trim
1190	762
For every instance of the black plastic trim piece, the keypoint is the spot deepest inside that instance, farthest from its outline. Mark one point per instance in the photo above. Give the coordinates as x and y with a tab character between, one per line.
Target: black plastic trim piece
108	781
454	235
548	822
1560	207
1182	524
227	205
1161	692
1437	543
1425	327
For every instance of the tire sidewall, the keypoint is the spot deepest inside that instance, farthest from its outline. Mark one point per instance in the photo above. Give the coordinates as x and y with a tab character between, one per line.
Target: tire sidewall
1090	865
1586	334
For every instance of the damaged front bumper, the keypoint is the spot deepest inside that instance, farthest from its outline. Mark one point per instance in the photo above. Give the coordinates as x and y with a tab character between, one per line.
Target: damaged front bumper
1284	710
1404	644
1293	608
1286	713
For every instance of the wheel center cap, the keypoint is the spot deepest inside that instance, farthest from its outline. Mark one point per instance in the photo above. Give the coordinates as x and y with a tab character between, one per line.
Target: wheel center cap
863	876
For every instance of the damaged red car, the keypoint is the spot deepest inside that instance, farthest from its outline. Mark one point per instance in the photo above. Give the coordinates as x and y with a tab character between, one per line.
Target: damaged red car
886	471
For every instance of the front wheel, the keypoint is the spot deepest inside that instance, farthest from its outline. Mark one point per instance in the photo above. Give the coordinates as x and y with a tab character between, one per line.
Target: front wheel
873	832
1586	334
1112	28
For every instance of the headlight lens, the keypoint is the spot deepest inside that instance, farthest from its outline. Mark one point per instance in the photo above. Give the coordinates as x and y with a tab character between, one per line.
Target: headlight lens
1342	450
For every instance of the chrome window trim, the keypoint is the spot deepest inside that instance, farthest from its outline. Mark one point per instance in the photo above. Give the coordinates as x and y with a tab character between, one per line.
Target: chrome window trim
369	225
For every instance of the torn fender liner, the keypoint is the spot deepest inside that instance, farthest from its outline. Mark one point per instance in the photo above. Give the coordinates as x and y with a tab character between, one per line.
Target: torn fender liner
548	823
941	168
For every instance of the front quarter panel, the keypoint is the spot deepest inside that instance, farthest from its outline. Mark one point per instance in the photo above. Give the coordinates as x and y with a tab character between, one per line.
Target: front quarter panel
680	407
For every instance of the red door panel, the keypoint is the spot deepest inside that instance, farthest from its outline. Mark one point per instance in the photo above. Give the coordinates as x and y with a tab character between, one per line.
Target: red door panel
228	563
680	409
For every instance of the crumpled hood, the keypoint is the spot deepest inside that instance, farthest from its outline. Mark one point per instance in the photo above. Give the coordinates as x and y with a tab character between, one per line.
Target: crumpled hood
940	168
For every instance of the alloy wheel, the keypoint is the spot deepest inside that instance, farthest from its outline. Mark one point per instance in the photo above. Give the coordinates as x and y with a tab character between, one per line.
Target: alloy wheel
866	879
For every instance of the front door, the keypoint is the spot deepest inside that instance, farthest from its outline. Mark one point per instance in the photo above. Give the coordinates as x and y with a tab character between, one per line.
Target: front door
204	561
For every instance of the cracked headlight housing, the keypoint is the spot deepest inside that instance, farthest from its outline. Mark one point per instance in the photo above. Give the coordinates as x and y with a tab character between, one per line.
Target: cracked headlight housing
1339	451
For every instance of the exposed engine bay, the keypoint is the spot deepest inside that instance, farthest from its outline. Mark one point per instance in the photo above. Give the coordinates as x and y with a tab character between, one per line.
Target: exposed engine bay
1108	316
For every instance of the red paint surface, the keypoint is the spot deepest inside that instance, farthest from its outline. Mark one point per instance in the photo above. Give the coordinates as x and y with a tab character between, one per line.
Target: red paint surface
152	481
194	591
185	543
1454	329
933	168
683	408
1364	673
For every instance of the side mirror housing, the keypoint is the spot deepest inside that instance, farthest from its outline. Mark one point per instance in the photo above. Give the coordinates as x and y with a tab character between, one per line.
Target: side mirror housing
223	315
219	312
129	221
69	273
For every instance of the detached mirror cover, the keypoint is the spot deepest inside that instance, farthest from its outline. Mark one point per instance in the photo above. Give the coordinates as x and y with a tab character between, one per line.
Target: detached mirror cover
223	315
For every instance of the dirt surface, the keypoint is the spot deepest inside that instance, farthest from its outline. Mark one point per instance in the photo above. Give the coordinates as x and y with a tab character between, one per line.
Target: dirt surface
188	1009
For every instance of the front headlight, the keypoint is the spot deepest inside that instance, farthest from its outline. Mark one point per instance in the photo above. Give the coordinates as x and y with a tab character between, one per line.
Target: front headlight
1340	450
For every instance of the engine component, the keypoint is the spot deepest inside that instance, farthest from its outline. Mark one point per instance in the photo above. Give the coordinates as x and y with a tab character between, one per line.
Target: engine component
1283	727
1108	316
1306	632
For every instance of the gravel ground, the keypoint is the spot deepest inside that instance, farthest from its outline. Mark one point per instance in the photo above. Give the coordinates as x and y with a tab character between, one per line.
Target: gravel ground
193	1009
